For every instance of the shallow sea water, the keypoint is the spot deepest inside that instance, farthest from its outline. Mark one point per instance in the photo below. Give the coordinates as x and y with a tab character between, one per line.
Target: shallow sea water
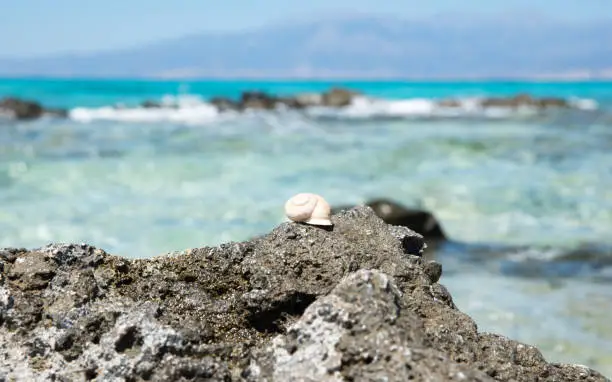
516	193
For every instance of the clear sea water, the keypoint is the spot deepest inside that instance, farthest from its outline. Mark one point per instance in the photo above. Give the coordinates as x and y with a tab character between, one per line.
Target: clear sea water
526	198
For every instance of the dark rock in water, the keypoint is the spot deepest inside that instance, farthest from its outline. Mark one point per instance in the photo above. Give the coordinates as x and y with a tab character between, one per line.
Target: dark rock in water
223	104
338	97
525	100
356	302
512	102
148	104
394	213
27	110
257	100
21	109
553	102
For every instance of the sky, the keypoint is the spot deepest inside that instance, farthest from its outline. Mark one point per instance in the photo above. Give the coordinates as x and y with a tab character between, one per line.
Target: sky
42	27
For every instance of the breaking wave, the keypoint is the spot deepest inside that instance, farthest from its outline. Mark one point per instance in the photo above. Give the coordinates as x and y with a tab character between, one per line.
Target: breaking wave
195	110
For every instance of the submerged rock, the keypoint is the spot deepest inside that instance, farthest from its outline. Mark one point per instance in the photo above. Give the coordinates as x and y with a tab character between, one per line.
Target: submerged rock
356	302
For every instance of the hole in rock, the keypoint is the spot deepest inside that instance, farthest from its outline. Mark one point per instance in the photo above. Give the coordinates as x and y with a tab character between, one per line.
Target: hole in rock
271	320
128	340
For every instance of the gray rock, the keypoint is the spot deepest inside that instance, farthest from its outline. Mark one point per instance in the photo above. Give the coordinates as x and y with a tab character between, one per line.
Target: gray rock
339	97
354	302
362	331
391	212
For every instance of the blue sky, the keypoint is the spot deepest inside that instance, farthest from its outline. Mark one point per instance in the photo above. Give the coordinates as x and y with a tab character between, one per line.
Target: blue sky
38	27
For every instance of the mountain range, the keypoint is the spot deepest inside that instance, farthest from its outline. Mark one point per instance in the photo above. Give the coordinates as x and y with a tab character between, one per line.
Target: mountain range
356	46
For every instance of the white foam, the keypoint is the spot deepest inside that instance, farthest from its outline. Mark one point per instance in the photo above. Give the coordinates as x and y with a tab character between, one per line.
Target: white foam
584	103
183	109
366	107
191	109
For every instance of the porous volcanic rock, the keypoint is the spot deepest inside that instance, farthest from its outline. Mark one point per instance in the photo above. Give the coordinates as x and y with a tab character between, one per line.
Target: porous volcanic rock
356	301
391	212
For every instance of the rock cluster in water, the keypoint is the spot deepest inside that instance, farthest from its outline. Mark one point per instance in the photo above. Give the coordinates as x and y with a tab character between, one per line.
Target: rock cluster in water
355	303
335	97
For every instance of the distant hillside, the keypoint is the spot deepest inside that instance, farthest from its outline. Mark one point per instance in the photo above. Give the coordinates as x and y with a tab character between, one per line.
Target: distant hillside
357	46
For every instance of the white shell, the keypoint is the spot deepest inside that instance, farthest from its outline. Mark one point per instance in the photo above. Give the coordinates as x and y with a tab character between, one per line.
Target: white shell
308	208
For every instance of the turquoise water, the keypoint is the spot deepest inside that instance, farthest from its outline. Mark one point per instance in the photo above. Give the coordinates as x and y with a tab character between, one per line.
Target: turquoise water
525	197
73	93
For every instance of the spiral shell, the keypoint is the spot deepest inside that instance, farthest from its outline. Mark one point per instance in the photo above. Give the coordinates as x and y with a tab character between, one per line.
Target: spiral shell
308	208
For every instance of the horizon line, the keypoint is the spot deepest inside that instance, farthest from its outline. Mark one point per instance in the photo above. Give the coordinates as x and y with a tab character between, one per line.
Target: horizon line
321	78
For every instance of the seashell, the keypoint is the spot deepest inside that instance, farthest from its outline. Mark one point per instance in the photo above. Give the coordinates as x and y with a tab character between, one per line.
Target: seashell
308	208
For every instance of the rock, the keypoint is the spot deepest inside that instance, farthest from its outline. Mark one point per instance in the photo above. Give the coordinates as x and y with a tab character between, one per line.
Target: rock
148	104
553	102
21	109
355	302
27	110
257	100
512	102
449	103
394	213
223	104
338	97
290	103
309	99
521	100
336	339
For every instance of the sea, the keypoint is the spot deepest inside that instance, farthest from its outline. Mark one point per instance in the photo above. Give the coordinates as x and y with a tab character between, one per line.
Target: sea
524	196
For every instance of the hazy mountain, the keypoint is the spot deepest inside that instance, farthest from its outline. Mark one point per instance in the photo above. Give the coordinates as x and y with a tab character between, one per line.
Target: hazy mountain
446	46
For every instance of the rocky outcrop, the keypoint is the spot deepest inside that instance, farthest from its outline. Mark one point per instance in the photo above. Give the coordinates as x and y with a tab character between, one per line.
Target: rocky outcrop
514	102
150	104
27	110
335	97
257	100
394	213
524	100
354	302
224	104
